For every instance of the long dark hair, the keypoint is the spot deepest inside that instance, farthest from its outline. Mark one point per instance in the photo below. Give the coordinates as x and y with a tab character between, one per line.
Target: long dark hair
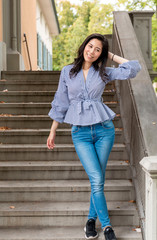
99	64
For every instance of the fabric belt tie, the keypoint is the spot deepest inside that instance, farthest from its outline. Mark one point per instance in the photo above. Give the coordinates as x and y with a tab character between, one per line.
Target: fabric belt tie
84	103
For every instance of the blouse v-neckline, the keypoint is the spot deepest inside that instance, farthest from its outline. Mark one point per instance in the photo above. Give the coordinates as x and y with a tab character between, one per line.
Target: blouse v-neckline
85	79
86	83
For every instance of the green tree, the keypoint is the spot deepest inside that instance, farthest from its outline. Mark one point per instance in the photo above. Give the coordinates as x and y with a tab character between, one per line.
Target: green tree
84	11
77	22
58	51
154	44
77	32
101	19
66	16
75	36
136	4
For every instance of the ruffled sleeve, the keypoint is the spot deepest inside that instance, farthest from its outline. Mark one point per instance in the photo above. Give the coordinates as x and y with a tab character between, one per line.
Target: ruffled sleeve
124	71
60	103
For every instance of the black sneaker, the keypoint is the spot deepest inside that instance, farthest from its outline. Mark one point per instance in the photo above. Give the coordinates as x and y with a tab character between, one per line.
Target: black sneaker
90	232
109	234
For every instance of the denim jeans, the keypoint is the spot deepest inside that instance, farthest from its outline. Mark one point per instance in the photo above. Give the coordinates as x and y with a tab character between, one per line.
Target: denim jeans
93	144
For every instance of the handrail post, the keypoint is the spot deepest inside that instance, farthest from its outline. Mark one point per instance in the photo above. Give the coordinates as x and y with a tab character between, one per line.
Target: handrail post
27	51
149	165
142	23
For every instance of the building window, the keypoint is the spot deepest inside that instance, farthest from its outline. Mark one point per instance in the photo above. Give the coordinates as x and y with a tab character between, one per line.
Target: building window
41	18
44	58
42	55
39	51
49	57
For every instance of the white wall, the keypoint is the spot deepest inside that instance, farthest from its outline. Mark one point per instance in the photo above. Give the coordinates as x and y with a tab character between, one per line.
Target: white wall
42	29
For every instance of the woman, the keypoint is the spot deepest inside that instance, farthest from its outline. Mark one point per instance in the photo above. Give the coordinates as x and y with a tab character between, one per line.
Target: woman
78	102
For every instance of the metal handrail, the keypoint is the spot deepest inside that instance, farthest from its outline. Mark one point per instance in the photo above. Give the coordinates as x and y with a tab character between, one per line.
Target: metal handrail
27	51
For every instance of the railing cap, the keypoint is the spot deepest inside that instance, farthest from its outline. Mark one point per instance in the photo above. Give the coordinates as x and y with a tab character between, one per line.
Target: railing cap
149	165
139	13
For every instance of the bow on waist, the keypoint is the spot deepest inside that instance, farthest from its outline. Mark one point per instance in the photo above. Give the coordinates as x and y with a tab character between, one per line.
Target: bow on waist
86	103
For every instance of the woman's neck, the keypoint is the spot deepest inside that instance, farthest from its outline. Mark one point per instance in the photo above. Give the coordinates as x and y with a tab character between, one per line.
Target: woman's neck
86	65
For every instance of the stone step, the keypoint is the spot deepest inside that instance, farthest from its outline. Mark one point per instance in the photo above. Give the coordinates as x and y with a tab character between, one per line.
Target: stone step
35	136
52	76
65	233
43	96
37	121
61	170
40	152
62	190
29	214
39	108
46	194
32	75
34	85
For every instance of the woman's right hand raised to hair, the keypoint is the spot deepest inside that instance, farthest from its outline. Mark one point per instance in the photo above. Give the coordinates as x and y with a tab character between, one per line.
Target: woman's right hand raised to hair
117	58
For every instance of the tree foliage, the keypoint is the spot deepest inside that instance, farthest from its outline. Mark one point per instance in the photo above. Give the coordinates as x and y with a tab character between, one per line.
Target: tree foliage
101	19
154	42
78	21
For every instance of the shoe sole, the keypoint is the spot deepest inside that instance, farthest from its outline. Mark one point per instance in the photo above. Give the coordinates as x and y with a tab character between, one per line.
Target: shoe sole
91	236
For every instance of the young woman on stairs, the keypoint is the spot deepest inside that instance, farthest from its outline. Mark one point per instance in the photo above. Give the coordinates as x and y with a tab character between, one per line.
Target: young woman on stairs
78	101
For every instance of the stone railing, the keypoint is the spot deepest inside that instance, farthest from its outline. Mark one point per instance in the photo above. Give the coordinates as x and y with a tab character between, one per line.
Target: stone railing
138	104
149	165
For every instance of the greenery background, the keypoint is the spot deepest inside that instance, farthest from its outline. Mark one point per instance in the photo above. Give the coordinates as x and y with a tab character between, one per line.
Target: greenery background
78	21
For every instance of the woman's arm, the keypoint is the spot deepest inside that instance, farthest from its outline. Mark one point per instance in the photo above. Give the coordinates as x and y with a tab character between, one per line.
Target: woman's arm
52	135
116	58
59	107
54	126
127	69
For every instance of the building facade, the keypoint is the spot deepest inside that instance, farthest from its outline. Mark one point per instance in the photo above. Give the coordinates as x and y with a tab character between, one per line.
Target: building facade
26	30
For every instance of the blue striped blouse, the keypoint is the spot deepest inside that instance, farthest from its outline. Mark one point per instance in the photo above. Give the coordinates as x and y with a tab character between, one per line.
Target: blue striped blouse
79	102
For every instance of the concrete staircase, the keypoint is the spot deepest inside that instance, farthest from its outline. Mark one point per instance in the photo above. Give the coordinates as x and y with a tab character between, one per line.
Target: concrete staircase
44	194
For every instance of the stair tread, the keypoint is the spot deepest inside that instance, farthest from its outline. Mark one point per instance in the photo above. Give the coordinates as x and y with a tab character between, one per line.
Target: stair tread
27	73
32	117
106	91
33	81
61	185
120	145
29	104
44	164
117	147
66	233
39	131
57	208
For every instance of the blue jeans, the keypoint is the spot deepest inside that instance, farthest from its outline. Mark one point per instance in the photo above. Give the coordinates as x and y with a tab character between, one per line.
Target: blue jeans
93	144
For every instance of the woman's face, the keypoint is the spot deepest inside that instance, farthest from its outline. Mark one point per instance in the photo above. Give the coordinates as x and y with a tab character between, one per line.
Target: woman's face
92	50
